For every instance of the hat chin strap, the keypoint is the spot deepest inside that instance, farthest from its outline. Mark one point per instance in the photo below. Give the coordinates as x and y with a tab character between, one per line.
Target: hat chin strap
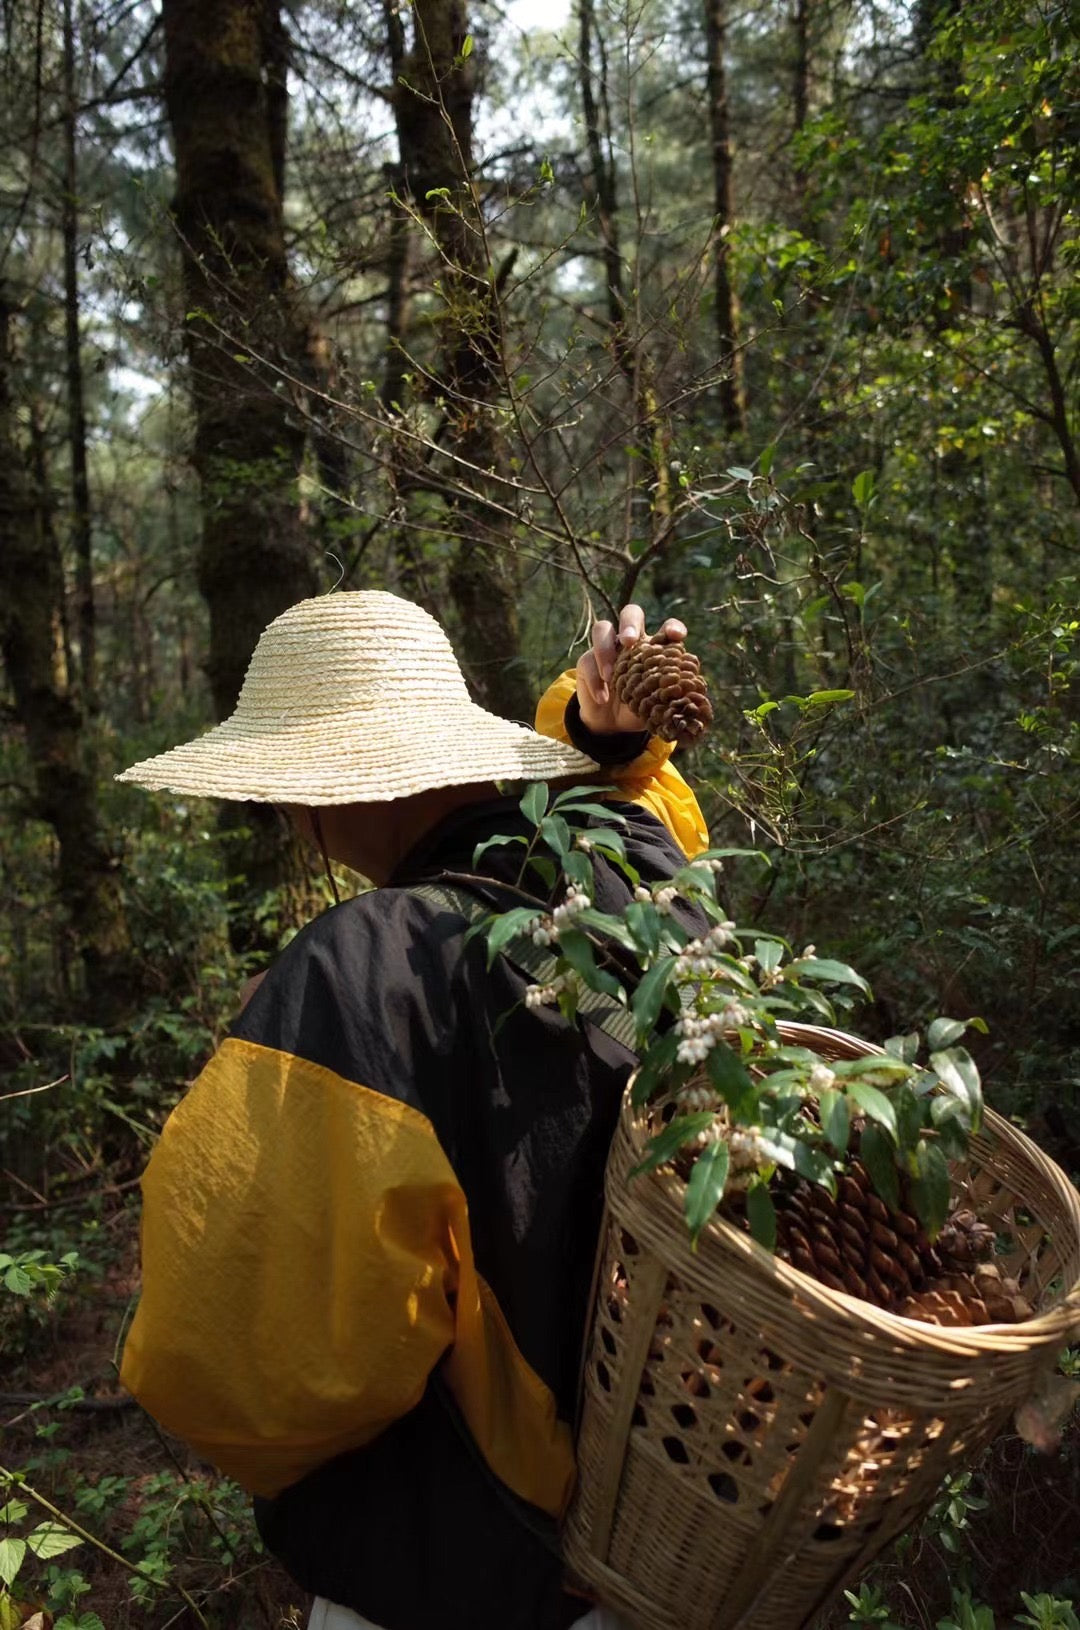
321	841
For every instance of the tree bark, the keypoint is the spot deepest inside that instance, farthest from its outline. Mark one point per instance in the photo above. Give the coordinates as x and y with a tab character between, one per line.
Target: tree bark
226	98
731	391
224	93
632	360
60	755
433	107
81	530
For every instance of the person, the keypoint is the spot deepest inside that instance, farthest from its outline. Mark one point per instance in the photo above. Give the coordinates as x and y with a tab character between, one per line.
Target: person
369	1227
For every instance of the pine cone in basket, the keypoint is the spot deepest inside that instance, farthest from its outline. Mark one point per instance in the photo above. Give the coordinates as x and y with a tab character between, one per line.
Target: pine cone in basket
663	684
856	1243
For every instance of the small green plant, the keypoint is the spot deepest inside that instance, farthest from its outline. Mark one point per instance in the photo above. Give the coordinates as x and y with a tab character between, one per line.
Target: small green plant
948	1517
869	1607
43	1541
1045	1612
967	1615
733	1101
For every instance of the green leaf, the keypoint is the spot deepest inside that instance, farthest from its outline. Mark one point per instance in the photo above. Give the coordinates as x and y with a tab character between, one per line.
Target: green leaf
930	1187
18	1282
905	1048
666	1144
909	1115
873	1102
862	489
509	927
835	1119
654	1068
943	1032
578	951
466	48
556	834
14	1511
568	803
739	472
606	838
545	869
955	1069
534	802
824	698
493	843
648	998
836	973
601	922
761	1215
765	462
877	1156
705	1189
51	1539
769	954
813	1164
644	924
733	1082
12	1551
577	868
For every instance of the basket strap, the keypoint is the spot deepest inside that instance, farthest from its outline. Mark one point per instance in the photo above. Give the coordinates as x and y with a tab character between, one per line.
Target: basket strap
537	961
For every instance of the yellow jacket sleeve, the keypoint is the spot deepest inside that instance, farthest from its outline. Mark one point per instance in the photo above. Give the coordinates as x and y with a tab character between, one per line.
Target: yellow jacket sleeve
298	1263
650	779
307	1261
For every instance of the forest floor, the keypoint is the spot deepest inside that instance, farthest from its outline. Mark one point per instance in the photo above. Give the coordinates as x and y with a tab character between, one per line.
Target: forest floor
182	1550
176	1546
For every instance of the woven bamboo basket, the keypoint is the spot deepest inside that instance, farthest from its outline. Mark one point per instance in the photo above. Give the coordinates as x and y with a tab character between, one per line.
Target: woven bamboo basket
750	1439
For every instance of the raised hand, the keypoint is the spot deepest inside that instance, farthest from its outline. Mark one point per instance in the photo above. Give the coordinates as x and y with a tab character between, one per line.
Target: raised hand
600	712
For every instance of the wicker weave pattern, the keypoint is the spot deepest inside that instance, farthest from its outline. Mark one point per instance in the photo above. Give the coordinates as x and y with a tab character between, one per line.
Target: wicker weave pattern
750	1438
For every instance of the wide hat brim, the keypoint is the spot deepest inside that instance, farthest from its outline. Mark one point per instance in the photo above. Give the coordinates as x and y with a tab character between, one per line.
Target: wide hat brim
350	758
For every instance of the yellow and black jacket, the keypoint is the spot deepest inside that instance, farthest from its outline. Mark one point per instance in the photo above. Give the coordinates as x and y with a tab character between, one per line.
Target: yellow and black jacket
368	1234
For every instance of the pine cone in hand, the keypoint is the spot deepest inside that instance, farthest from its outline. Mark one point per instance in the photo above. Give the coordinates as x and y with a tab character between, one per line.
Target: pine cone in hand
662	682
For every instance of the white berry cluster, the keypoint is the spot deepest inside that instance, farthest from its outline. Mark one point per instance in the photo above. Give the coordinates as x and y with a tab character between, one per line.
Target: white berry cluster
700	1033
575	903
695	1096
821	1078
548	995
663	899
698	956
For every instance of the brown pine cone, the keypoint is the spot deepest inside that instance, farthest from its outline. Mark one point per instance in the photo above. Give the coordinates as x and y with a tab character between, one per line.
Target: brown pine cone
662	682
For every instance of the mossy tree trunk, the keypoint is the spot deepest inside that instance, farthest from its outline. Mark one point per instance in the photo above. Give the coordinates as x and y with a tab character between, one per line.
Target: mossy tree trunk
731	391
433	105
46	707
245	340
226	98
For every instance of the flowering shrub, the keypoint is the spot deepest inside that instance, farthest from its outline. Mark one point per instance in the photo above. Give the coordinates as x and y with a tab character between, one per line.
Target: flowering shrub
731	1100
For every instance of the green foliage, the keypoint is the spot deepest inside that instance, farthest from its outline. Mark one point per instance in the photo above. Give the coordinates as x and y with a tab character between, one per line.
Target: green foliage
758	1102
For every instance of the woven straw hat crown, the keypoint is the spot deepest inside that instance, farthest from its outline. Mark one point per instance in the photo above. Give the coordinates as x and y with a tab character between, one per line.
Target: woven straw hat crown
354	698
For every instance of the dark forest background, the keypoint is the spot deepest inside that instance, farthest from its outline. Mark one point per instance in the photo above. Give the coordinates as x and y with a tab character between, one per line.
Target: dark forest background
764	315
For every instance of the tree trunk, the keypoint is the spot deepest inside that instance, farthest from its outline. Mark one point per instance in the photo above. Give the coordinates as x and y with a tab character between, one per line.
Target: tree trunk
224	93
61	758
81	533
731	394
433	110
226	98
651	429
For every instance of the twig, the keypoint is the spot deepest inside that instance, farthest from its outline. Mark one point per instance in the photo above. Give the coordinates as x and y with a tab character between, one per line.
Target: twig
27	1092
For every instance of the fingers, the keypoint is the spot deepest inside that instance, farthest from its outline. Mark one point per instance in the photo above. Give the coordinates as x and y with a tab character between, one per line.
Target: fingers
591	679
607	643
631	624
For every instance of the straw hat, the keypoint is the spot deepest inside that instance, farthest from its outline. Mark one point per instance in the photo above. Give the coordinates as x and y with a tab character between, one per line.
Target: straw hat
354	698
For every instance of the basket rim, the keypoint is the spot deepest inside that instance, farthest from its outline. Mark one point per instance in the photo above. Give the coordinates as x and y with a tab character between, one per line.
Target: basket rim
1053	1326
